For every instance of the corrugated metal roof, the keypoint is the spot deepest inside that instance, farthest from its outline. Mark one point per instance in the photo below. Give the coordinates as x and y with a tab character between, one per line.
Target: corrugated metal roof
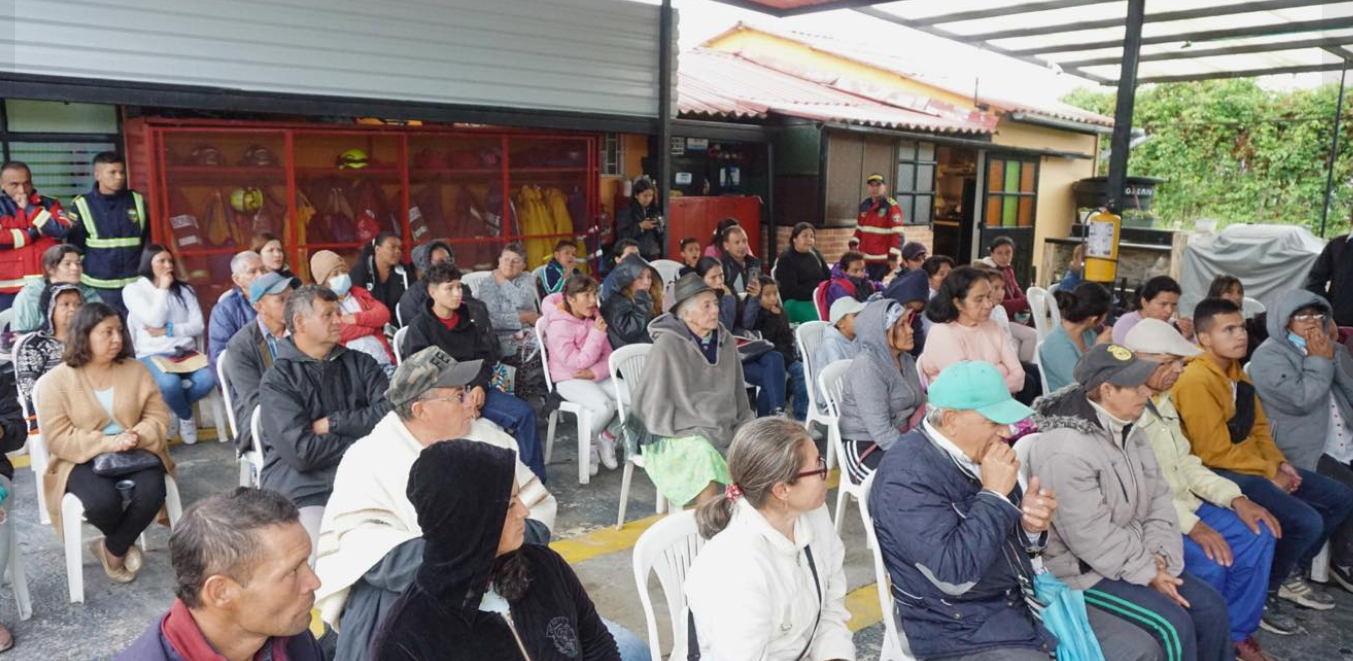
1009	97
721	84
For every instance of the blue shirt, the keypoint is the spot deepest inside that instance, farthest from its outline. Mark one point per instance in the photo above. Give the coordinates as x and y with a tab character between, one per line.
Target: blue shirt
105	398
1059	355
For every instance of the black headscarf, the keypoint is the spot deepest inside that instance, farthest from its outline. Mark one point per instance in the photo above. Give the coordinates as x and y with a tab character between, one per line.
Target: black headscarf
462	492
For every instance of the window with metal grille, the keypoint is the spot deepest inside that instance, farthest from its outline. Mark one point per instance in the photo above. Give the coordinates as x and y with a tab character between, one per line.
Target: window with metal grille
612	155
57	141
915	187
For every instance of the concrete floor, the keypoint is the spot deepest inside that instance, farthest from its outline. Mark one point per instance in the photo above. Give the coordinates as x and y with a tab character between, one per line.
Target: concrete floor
113	615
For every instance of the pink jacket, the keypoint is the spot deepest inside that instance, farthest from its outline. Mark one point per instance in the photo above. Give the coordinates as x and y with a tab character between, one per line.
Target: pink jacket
946	344
574	344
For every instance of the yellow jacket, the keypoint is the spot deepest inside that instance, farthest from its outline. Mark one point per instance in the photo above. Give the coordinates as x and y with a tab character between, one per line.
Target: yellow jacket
1191	481
1205	397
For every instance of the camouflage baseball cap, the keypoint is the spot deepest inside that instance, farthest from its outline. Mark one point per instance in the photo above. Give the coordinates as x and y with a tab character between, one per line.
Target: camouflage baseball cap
428	369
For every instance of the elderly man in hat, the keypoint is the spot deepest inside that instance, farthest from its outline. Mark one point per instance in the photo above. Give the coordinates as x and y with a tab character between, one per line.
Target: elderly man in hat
692	396
1224	543
879	227
1116	535
252	349
370	543
956	528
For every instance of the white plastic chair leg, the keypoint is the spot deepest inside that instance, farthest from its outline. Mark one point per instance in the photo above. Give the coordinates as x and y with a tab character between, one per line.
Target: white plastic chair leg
584	445
549	435
841	497
173	505
218	416
625	479
1320	566
72	516
831	449
246	472
14	573
661	502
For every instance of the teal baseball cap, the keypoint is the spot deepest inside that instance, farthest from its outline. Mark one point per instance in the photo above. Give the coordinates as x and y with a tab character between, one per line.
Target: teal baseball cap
976	386
270	283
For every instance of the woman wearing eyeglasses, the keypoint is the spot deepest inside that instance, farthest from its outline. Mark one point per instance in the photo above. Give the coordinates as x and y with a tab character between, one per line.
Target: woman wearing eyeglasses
1305	382
769	584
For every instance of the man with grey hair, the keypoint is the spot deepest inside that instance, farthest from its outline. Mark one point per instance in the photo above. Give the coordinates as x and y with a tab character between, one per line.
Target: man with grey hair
317	400
232	310
244	588
370	544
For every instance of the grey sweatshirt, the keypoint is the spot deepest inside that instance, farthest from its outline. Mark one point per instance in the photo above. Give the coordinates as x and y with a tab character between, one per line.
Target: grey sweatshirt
881	392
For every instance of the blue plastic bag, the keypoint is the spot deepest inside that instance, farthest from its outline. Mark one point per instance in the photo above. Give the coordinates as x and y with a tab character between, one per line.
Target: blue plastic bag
1064	615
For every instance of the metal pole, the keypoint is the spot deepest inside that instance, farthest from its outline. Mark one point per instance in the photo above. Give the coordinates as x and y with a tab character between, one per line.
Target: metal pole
664	179
1120	144
1334	150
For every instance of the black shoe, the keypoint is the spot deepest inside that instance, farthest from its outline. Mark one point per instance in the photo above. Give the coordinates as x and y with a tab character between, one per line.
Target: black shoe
1343	576
1278	618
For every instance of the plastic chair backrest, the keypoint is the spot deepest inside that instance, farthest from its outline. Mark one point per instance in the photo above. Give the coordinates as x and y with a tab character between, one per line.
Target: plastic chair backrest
667	269
669	548
832	382
6	316
1042	369
473	279
1252	307
255	427
37	446
892	638
544	359
1022	448
224	381
808	337
628	360
1038	310
399	344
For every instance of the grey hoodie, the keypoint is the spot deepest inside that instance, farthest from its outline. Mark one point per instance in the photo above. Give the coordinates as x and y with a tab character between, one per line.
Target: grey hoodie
1295	388
681	394
881	392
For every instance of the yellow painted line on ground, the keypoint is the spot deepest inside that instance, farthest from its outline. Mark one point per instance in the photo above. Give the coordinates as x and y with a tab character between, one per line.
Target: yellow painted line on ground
20	461
863	604
603	541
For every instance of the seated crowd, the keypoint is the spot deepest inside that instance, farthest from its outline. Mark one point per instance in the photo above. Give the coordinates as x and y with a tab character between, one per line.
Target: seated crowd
1179	477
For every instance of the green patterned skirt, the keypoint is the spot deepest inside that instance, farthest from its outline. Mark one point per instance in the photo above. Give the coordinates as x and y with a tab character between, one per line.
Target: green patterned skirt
682	467
800	311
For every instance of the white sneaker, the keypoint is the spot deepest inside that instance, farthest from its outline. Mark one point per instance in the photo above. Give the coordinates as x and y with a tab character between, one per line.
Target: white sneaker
188	431
593	459
605	446
1299	592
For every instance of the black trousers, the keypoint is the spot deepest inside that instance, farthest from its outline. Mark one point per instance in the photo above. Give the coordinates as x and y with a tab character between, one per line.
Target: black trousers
103	503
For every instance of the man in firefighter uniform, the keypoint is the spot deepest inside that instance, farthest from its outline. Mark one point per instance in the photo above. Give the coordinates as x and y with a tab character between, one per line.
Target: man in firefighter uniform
879	228
110	224
29	225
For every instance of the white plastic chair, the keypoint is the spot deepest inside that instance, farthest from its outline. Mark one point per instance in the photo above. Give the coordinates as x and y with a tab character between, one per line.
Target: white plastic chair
669	547
33	438
629	360
1042	369
256	438
1251	307
808	337
830	381
1320	565
247	474
213	399
667	269
6	316
1038	309
894	642
399	344
73	511
582	414
473	279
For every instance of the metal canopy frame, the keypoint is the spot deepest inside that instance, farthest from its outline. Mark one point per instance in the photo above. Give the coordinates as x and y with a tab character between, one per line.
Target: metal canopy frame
1293	36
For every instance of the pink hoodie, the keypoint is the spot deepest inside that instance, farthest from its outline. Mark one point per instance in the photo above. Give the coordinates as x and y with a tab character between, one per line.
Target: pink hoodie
574	344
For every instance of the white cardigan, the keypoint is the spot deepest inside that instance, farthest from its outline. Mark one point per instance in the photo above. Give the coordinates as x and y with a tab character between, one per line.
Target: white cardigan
751	591
149	306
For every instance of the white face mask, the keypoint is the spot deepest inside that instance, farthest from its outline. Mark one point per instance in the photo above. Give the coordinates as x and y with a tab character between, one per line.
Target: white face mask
341	284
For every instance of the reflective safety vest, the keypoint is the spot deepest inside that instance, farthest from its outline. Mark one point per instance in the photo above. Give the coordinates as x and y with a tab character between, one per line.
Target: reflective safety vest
95	242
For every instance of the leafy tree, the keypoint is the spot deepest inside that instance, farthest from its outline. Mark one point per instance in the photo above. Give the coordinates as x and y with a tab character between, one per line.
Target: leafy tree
1231	150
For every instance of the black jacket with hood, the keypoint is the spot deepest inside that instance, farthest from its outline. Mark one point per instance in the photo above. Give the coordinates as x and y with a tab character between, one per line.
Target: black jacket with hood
472	339
416	295
799	273
627	318
364	274
347	387
461	492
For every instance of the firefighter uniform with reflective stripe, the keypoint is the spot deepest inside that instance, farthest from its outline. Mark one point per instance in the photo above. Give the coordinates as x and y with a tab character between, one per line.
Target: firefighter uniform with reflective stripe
24	235
112	231
879	230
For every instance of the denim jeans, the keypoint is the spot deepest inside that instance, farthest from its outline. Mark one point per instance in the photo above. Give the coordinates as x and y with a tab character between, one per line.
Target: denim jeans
631	646
799	383
519	419
179	398
767	372
1307	516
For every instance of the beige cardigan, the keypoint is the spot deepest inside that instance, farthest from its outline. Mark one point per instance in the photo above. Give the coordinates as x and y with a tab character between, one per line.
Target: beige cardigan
73	421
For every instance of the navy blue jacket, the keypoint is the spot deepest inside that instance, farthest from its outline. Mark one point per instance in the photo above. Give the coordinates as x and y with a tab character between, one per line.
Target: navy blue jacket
231	312
115	217
954	553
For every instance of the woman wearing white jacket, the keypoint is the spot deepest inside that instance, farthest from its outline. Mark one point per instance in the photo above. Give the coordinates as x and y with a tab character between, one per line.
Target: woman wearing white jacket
166	322
769	584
